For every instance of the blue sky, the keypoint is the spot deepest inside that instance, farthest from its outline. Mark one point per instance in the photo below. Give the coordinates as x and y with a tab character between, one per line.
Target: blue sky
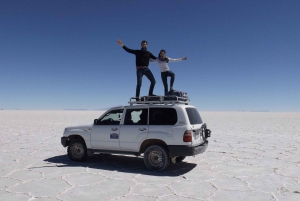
58	54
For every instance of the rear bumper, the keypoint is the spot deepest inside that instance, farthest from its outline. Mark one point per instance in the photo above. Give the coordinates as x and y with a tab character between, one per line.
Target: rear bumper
64	141
177	150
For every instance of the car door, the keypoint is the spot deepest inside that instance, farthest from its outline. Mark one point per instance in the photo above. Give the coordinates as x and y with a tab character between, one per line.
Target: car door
105	131
161	124
134	128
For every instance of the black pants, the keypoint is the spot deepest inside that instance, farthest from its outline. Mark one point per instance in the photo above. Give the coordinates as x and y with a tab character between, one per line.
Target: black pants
139	75
164	76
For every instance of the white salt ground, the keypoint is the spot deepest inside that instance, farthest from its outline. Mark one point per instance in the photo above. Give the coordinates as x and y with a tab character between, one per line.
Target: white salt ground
251	156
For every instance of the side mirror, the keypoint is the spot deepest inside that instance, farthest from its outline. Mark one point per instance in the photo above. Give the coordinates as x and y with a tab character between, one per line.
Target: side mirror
95	121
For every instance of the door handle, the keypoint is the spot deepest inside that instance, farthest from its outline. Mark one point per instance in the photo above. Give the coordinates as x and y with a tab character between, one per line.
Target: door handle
142	129
114	129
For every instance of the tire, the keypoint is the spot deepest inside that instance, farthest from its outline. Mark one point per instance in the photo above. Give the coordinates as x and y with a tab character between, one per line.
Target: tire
77	150
156	158
179	159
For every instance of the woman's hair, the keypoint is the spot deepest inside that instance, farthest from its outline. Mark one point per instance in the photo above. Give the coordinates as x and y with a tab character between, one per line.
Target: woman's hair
163	59
161	51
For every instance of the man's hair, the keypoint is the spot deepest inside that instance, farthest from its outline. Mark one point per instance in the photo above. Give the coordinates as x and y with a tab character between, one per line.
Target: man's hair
144	42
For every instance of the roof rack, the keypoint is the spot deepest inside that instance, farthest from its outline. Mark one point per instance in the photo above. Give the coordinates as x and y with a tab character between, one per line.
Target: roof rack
160	100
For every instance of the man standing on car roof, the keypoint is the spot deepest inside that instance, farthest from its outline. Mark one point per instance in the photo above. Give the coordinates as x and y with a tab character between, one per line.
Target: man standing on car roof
142	58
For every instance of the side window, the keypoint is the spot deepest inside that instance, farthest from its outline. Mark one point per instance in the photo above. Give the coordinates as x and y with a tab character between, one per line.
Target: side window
136	117
162	116
111	118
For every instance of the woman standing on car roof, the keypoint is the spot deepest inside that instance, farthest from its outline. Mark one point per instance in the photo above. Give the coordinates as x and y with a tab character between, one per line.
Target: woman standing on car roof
166	72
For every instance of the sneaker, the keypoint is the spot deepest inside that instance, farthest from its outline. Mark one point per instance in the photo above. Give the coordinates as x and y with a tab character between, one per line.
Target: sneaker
152	95
171	89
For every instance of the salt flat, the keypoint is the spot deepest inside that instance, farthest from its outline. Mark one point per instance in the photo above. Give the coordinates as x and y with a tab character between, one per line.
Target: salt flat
251	156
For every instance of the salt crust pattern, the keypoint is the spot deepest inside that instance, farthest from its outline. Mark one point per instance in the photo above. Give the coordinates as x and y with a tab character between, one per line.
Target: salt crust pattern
251	156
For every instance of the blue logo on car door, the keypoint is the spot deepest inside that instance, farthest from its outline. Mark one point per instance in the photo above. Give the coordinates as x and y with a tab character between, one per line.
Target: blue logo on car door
114	136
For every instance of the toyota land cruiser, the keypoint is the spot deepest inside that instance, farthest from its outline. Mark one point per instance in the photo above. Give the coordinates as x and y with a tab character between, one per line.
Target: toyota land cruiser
164	130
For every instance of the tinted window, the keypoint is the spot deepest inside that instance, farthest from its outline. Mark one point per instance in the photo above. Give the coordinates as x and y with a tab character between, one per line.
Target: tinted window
194	116
136	117
111	118
162	116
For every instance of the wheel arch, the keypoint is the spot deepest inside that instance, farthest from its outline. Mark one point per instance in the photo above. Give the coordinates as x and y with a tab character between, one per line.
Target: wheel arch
73	137
146	143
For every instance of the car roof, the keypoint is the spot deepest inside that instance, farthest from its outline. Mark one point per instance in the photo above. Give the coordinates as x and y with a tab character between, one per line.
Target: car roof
151	106
159	101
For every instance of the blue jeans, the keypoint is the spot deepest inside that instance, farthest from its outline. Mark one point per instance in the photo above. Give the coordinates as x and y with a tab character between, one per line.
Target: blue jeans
139	75
164	76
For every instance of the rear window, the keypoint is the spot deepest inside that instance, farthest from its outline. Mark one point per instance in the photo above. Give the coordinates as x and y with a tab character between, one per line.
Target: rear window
162	116
194	116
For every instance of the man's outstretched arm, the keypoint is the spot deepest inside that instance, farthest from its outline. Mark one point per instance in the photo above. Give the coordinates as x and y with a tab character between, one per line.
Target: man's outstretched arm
125	48
120	42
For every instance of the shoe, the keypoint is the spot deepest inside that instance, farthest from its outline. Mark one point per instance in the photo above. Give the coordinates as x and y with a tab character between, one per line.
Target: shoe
152	95
137	99
171	89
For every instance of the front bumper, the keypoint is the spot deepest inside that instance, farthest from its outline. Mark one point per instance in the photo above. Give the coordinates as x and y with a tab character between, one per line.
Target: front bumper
64	141
178	150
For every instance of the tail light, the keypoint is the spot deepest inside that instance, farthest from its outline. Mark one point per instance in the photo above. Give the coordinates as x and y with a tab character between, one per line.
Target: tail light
187	136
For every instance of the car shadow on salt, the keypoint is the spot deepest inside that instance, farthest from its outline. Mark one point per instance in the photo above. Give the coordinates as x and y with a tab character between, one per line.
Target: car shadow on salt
121	163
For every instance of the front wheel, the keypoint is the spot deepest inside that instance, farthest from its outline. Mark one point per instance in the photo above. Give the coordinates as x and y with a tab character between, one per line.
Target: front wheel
77	150
156	158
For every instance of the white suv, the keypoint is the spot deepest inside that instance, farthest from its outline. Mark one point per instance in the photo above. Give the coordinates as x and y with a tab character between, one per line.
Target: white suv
163	130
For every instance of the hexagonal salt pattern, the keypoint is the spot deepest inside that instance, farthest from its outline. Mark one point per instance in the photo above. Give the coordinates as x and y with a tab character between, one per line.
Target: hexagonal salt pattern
251	156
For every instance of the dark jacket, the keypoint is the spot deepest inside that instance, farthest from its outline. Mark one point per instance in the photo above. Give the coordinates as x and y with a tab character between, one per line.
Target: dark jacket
141	56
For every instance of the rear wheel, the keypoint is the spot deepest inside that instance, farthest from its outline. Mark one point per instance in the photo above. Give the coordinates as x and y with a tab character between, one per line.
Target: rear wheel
77	150
156	158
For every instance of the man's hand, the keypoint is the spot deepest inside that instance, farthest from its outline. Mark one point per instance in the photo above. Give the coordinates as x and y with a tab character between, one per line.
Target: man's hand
120	42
